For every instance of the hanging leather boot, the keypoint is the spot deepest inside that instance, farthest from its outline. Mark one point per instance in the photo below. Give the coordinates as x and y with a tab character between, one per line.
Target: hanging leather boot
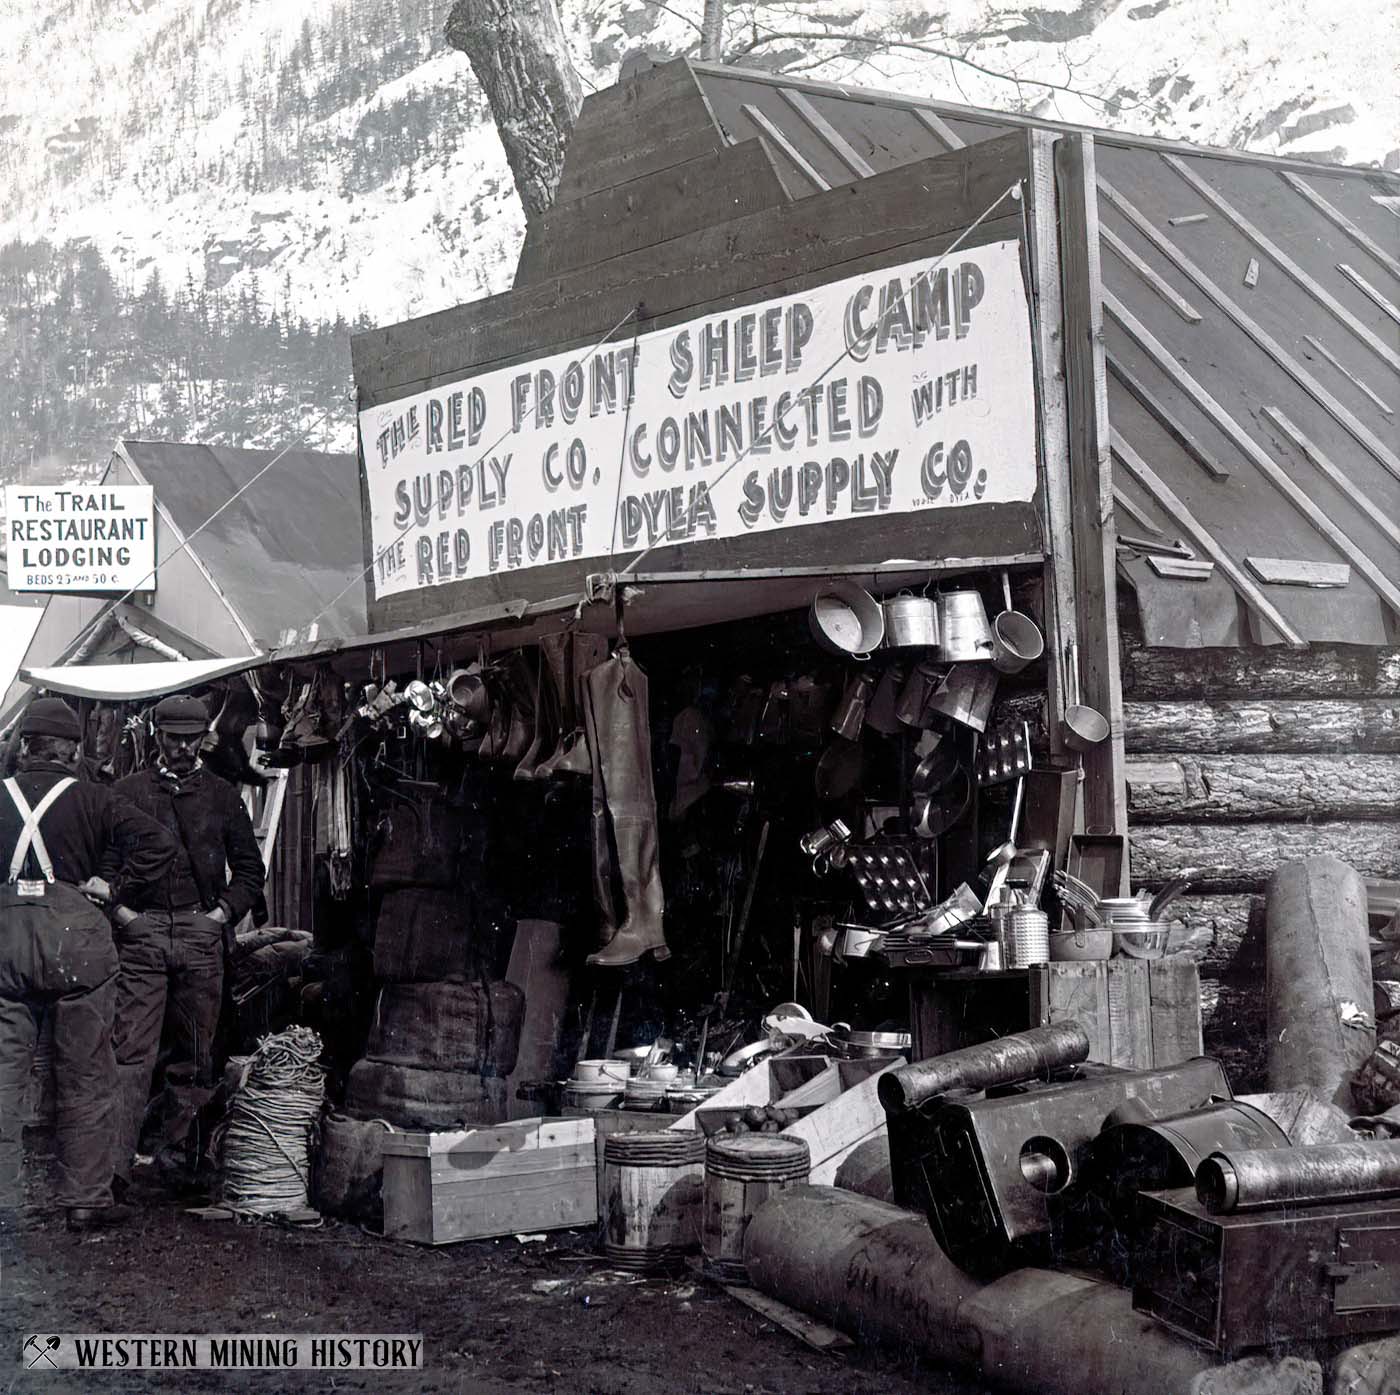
625	836
545	704
587	652
556	666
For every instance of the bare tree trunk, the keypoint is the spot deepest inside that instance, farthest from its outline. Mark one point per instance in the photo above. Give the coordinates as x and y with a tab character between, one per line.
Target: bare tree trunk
518	53
712	31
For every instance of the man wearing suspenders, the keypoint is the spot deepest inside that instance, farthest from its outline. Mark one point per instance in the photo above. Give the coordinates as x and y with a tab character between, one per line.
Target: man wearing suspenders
57	955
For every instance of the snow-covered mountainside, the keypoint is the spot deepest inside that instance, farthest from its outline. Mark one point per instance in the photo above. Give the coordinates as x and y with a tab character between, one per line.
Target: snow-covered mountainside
341	146
325	158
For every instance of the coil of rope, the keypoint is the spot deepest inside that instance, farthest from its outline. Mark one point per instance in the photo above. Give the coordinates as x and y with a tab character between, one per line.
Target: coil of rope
267	1132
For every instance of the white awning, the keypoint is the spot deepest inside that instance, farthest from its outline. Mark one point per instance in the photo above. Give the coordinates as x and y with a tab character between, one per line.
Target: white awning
120	682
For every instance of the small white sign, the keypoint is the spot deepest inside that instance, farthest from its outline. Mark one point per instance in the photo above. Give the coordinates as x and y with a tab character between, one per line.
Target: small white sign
907	389
78	538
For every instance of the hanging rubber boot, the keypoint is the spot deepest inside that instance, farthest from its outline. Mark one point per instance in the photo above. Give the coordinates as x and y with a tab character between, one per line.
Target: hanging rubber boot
545	703
573	758
599	832
620	736
556	661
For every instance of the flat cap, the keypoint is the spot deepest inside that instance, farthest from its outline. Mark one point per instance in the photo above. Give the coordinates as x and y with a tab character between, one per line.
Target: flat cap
50	716
186	716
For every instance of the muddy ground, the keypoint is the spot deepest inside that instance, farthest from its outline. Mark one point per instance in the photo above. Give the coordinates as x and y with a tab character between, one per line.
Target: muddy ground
495	1315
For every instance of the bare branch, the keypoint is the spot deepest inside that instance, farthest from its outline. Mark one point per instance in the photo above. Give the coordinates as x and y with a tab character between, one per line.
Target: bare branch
854	42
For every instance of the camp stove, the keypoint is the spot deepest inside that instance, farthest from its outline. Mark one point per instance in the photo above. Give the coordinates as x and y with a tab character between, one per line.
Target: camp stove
986	1169
1262	1278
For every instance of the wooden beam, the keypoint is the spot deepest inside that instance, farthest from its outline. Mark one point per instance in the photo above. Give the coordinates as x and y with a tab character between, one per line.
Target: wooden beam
1061	606
1136	514
773	247
1245	322
1335	215
1157	409
714	188
1204	539
1178	787
1365	505
1369	291
1323	672
1163	288
770	128
1091	479
940	128
1280	258
840	146
1243	856
1265	725
1346	372
1268	466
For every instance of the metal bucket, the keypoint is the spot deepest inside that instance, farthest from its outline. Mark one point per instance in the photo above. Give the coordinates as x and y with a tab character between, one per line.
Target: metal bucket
846	620
1016	641
911	622
962	624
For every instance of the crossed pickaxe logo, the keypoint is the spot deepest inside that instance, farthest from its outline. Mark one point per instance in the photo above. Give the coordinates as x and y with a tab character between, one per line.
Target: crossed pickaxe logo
42	1347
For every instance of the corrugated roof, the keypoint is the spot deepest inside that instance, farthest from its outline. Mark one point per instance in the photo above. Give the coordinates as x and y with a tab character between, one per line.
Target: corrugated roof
284	549
1252	327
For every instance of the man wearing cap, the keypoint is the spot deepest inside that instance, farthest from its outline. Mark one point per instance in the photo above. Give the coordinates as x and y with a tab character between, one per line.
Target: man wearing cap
57	956
172	937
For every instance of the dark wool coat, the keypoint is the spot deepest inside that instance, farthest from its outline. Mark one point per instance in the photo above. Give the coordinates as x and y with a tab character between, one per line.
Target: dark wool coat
206	817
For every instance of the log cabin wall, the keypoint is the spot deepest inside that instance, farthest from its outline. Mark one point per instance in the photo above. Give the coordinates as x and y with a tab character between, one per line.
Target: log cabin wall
1240	760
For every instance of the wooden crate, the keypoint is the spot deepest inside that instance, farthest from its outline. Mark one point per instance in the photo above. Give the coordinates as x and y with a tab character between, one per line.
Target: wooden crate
531	1175
1139	1013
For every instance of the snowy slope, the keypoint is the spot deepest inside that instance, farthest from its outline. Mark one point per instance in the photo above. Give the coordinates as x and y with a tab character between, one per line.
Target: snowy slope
340	154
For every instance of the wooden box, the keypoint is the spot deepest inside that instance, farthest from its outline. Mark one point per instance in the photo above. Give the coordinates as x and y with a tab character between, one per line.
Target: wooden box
531	1175
1139	1013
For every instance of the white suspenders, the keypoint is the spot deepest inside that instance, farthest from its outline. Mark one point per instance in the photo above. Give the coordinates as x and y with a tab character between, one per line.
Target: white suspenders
29	834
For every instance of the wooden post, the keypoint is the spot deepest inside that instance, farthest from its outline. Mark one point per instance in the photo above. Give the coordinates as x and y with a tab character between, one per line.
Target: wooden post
1091	480
1061	623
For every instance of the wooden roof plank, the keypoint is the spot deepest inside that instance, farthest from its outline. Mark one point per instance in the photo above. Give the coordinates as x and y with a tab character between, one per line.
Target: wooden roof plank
1369	291
844	150
768	127
1357	234
1279	257
1175	508
1363	501
1346	372
1250	326
940	128
1175	429
1253	451
1163	288
1138	515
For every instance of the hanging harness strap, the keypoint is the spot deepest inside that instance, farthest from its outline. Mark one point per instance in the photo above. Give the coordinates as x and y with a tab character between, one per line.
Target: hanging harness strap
29	835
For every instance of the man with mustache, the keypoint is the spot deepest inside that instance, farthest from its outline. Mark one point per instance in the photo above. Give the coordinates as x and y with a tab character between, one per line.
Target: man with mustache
172	938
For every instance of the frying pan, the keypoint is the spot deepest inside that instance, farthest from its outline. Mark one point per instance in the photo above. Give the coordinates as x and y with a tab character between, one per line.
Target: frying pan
935	770
939	812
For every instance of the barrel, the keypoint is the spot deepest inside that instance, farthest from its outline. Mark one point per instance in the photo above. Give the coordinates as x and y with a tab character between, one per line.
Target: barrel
653	1184
741	1173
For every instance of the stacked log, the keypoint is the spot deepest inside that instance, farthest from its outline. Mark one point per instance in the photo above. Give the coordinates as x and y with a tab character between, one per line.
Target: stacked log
1240	761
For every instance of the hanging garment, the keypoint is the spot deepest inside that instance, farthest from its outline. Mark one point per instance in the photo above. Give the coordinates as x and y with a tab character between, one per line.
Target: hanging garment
623	822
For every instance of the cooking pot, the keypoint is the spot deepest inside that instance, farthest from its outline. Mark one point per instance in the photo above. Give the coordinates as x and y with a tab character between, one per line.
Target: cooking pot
846	620
911	622
467	688
962	624
1016	641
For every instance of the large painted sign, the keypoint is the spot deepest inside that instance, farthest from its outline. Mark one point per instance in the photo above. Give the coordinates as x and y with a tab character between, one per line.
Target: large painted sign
908	389
80	538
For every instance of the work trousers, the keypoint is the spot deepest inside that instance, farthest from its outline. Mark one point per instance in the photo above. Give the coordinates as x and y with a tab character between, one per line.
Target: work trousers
172	973
57	957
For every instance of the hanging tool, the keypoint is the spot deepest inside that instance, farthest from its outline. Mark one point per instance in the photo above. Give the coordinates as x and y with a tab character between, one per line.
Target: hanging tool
732	966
